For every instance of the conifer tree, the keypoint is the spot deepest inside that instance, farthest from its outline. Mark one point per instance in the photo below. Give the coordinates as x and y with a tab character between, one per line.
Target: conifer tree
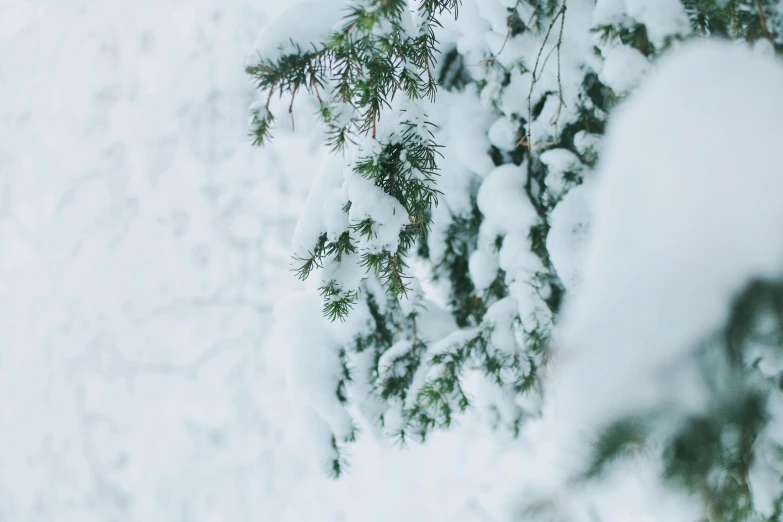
445	243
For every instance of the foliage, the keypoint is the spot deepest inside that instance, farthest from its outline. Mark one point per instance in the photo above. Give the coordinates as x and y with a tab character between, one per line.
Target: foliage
420	383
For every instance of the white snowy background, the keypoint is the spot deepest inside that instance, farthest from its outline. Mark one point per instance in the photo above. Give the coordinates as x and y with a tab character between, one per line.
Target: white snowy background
143	242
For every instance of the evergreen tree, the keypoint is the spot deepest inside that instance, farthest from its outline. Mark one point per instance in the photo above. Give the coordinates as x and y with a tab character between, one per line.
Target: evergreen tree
444	244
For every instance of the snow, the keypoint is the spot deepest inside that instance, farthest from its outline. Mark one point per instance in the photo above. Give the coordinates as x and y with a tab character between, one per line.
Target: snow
417	18
514	100
765	471
503	201
567	239
318	216
526	50
509	214
137	265
501	317
468	142
369	201
587	144
160	362
143	245
559	163
496	14
675	235
608	12
343	113
483	268
313	367
503	133
662	18
623	68
516	258
634	492
291	29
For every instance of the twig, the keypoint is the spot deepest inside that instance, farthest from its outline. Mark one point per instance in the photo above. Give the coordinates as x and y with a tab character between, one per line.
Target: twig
561	103
533	14
734	23
291	109
269	98
548	56
502	47
394	268
560	13
317	93
763	19
493	58
524	143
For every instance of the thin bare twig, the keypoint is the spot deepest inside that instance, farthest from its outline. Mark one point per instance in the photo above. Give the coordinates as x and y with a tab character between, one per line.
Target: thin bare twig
524	143
561	102
291	109
763	20
560	14
269	98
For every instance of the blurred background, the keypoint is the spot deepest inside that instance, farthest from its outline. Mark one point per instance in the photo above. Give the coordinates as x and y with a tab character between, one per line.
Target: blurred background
143	243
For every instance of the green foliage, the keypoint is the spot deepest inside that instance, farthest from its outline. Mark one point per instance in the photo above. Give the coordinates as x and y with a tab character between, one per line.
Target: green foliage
420	384
711	453
622	439
363	66
355	75
337	302
742	19
467	305
261	121
363	63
